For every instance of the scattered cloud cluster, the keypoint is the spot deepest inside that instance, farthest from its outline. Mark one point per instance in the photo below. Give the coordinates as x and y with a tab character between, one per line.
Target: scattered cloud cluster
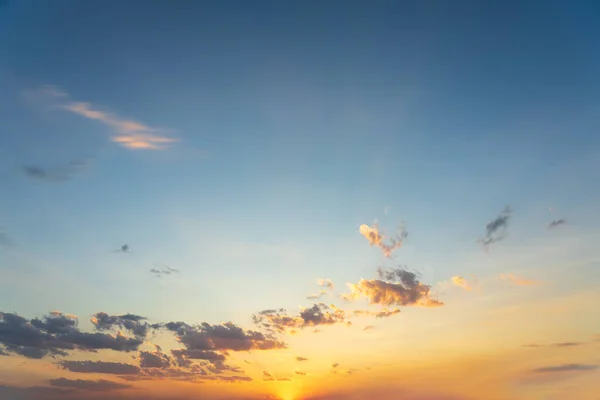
278	321
496	230
127	133
394	287
376	238
326	284
55	335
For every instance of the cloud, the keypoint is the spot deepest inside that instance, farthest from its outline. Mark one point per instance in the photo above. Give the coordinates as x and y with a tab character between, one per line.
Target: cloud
394	287
155	359
300	373
195	354
55	174
461	282
129	322
127	133
326	283
100	367
101	385
376	238
516	280
335	365
566	368
227	336
166	270
55	335
301	358
278	321
557	222
383	313
316	296
495	230
124	248
368	328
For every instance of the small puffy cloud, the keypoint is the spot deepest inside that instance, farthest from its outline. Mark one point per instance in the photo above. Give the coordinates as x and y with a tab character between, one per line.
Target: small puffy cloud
278	321
101	385
496	230
325	283
127	133
517	280
335	365
376	238
300	373
566	368
394	287
461	282
100	367
556	222
54	174
301	358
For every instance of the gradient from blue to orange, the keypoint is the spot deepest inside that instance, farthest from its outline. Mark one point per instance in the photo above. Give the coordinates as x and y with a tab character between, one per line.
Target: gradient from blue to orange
295	123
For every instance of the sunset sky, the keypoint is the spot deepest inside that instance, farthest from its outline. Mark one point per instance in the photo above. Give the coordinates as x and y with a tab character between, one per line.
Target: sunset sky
299	200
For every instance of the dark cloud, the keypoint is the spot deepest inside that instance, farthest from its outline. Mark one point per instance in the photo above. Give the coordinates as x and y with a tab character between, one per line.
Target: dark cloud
154	360
55	335
557	222
100	367
123	249
566	368
55	174
495	230
210	343
278	321
129	322
394	287
101	385
301	358
159	272
195	354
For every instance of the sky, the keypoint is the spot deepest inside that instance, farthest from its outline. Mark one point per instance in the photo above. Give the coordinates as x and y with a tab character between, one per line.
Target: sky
332	200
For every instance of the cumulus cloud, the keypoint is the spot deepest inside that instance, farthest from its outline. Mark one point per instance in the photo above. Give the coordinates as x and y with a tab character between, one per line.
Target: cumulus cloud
227	336
127	133
556	222
394	287
55	174
566	368
55	335
132	323
496	230
517	280
278	321
165	270
100	367
376	238
101	385
461	282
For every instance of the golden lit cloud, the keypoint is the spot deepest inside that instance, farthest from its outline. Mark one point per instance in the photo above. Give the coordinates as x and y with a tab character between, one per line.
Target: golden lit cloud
461	282
376	238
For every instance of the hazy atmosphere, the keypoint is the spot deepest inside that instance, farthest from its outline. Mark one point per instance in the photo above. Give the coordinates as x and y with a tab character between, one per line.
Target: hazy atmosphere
299	200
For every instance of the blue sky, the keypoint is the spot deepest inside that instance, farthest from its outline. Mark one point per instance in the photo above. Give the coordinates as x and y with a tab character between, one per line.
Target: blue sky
295	124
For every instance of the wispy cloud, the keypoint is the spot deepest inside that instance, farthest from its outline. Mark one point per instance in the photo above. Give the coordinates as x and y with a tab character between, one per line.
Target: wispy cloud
127	133
166	270
461	282
517	280
566	368
496	230
556	222
101	385
376	238
55	174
